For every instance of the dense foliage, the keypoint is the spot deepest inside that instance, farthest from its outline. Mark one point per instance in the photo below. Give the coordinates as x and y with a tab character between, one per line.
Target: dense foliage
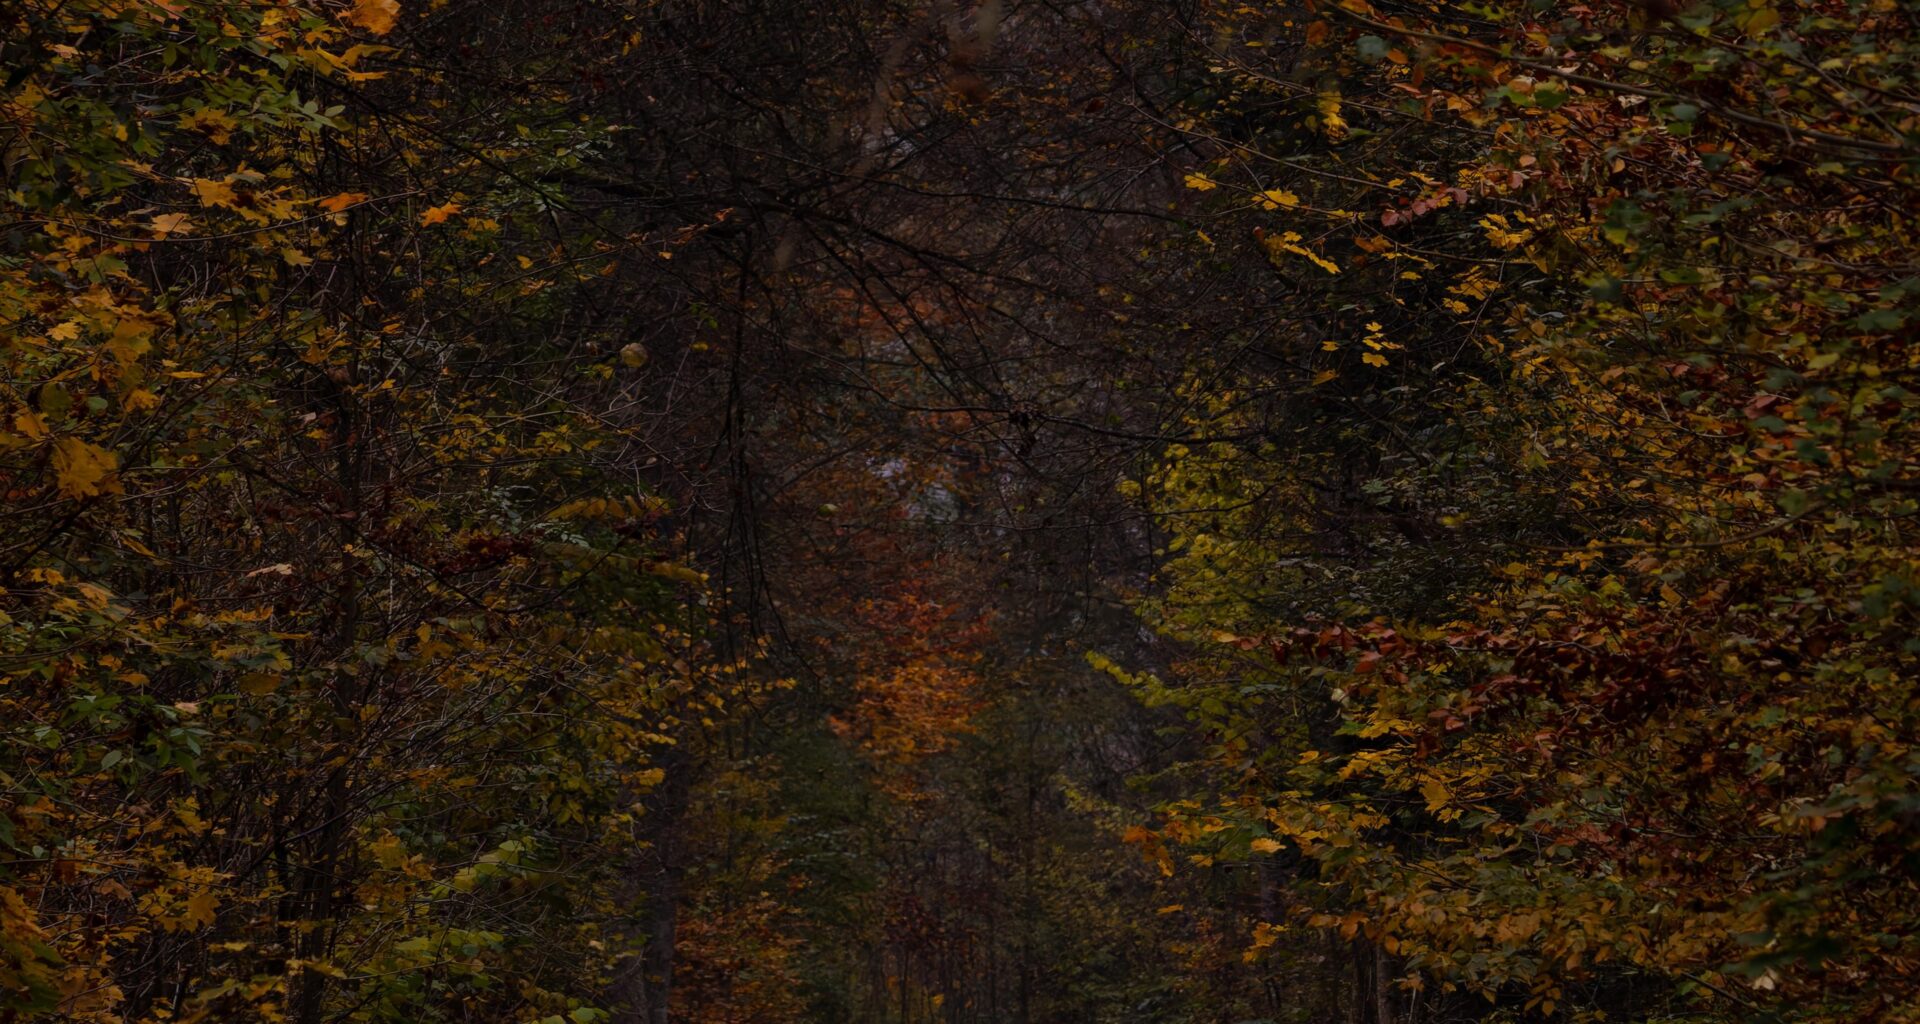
730	512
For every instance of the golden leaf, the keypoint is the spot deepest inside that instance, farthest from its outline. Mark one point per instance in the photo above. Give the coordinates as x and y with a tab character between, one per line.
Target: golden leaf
170	224
201	908
259	684
376	16
83	470
213	193
215	122
1274	198
30	423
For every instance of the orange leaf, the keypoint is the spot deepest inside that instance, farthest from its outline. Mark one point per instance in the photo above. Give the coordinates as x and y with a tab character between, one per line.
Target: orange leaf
376	16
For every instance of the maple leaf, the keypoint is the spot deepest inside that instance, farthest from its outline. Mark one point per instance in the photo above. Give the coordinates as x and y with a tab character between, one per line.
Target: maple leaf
213	192
342	202
170	224
82	470
376	16
130	340
439	214
201	909
215	122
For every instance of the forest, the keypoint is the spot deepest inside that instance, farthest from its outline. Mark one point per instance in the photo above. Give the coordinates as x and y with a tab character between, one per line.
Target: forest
959	511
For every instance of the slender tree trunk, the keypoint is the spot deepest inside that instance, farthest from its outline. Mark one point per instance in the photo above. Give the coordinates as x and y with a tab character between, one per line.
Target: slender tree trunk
320	874
1382	988
642	990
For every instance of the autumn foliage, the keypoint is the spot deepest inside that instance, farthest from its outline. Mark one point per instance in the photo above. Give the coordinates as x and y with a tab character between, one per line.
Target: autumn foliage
733	513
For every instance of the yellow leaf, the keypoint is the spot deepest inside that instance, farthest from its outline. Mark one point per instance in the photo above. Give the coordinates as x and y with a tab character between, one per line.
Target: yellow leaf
677	573
215	122
1200	183
1274	198
439	214
131	339
1373	359
170	224
213	193
201	908
1265	845
376	16
327	968
1318	260
82	470
343	202
28	422
1331	121
1760	21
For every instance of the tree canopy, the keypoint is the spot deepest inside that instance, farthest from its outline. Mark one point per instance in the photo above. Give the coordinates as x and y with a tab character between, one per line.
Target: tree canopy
1051	511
